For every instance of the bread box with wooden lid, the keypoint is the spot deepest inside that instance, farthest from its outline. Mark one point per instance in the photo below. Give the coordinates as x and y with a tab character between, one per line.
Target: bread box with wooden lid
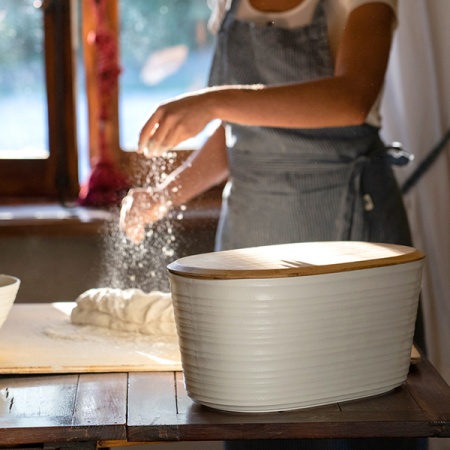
297	325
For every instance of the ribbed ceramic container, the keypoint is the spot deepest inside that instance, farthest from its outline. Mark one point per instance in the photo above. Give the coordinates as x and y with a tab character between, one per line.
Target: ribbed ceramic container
9	286
292	326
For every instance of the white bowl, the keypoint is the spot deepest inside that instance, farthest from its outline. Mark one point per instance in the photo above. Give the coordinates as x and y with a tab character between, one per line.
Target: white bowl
251	344
9	286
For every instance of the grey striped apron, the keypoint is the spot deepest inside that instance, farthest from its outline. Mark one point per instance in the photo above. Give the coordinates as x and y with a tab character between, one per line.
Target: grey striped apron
297	185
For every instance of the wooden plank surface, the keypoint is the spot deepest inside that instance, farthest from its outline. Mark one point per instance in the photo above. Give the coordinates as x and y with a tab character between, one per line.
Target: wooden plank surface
431	393
37	401
39	338
101	402
151	404
407	411
55	408
154	407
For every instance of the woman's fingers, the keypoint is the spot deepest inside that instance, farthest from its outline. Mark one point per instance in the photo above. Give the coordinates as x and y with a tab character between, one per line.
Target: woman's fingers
152	149
155	138
136	234
149	128
157	141
139	209
173	123
131	219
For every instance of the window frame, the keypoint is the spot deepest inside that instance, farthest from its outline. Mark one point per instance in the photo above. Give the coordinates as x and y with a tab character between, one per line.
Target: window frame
88	15
55	177
128	162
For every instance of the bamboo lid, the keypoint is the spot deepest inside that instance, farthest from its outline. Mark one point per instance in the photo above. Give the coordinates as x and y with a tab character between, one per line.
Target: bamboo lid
291	260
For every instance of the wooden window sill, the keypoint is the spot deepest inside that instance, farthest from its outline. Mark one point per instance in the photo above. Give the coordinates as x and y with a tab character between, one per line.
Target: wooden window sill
55	219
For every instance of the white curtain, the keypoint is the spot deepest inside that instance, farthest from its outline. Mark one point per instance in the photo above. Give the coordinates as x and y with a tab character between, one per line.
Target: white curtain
416	110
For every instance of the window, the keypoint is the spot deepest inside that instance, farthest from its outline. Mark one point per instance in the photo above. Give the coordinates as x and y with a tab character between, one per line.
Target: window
165	51
22	82
48	89
37	136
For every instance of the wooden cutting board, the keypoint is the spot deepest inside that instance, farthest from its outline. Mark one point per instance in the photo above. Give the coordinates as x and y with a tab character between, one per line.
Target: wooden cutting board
39	338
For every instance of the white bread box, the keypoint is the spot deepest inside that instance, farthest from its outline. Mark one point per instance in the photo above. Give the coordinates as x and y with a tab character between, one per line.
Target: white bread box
291	326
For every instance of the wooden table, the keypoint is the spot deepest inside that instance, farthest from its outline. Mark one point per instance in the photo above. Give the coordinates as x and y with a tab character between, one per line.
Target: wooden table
107	409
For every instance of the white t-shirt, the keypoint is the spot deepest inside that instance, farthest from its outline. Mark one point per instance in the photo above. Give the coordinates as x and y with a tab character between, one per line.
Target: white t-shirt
337	12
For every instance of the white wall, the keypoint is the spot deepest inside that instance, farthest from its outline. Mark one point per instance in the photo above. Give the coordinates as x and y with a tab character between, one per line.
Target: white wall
416	112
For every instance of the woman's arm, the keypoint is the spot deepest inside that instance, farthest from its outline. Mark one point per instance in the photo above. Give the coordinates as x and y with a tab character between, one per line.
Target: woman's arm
205	168
344	99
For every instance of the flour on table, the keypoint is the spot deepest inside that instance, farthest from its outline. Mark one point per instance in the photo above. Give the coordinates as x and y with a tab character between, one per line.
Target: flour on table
126	310
154	352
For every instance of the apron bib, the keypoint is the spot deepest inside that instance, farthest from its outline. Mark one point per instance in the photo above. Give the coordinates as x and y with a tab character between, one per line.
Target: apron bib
297	185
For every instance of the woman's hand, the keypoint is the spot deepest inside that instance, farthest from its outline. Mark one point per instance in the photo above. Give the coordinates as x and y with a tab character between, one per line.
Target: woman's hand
140	208
175	121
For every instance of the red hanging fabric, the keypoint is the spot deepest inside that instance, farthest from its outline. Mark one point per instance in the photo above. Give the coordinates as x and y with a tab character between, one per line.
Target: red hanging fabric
106	185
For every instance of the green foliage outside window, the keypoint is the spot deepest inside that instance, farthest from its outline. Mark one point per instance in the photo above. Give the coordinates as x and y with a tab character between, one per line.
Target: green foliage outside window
21	46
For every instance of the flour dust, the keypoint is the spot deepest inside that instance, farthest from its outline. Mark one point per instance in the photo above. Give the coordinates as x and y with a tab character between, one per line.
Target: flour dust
143	266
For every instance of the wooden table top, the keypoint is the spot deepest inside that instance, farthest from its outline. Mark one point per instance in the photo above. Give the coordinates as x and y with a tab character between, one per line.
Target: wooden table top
109	409
116	408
